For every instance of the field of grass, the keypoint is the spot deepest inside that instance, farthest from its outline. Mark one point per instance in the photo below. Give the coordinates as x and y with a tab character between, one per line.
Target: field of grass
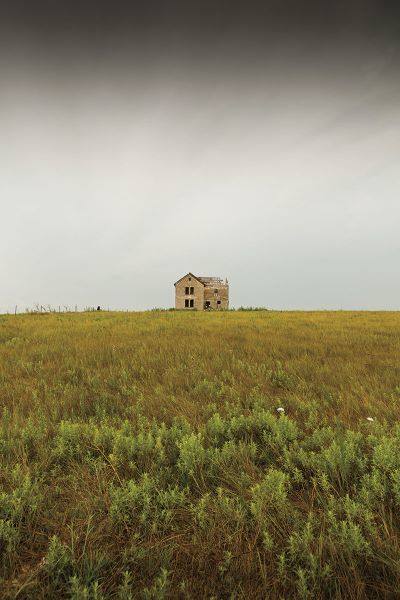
143	456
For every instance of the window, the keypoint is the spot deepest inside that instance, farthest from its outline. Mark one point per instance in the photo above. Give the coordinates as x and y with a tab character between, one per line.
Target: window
215	291
191	303
186	303
190	279
186	291
218	301
192	291
207	304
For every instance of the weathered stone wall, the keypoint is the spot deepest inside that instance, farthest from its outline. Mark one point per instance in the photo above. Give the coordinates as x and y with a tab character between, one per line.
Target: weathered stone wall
197	296
217	295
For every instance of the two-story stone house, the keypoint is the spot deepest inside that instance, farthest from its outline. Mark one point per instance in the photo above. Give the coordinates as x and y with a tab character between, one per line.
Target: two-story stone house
201	293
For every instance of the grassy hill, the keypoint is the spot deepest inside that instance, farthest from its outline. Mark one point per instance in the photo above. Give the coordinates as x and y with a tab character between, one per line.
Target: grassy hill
143	456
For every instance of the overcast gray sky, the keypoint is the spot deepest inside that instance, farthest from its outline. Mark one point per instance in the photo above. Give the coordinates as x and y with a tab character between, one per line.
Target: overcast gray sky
267	153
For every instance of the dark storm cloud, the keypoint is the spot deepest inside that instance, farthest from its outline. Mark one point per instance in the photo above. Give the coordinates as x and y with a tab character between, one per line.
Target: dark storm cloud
86	32
210	20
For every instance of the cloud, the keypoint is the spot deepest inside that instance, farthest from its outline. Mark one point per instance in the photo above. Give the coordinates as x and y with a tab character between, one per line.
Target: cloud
274	163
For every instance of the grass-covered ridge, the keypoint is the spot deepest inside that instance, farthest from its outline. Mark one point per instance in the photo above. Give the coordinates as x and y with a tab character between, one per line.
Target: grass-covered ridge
142	455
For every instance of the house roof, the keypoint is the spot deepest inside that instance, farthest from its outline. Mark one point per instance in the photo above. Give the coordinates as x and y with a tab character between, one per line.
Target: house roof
211	280
191	275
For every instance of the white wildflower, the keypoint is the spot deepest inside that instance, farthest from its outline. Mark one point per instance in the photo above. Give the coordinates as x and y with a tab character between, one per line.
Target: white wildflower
280	410
370	419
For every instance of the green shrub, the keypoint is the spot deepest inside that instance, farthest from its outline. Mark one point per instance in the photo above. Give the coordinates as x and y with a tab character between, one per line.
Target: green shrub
269	498
145	505
158	589
192	455
58	564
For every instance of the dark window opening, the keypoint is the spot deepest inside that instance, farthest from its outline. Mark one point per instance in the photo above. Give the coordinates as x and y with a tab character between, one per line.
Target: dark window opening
218	301
190	279
215	291
186	303
187	291
191	290
207	304
191	303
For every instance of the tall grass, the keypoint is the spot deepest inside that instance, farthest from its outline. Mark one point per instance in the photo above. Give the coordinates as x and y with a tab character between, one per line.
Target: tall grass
142	455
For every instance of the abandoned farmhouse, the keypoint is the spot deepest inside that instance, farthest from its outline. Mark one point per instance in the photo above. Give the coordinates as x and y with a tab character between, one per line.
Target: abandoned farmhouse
201	293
